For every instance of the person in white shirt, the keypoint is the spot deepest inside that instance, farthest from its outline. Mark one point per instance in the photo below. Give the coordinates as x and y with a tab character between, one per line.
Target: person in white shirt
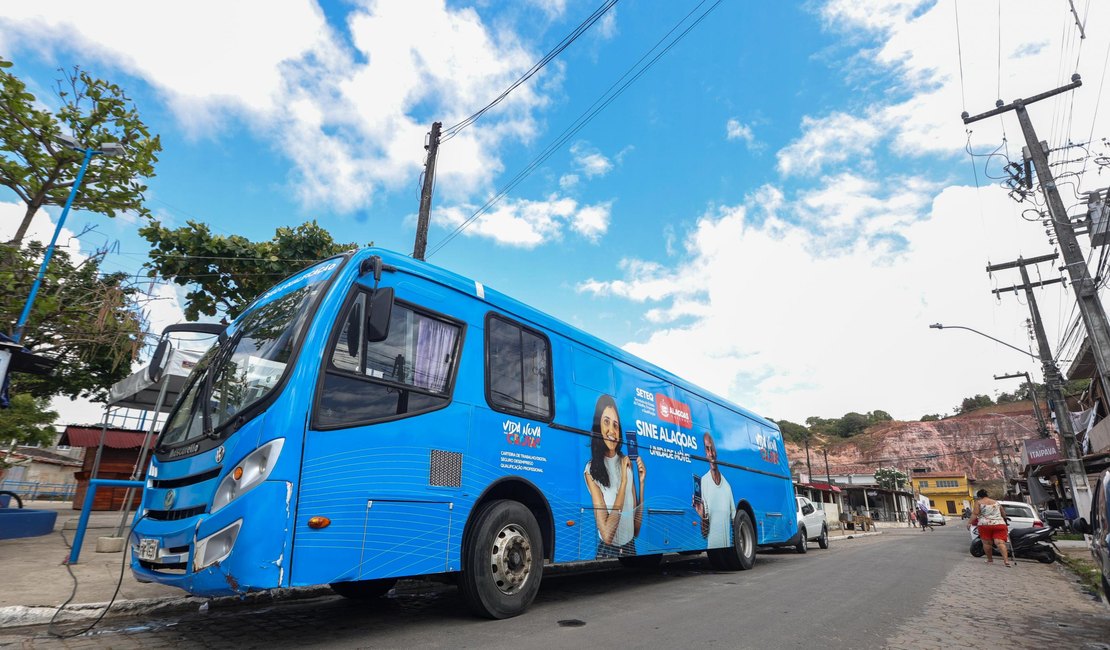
716	507
609	479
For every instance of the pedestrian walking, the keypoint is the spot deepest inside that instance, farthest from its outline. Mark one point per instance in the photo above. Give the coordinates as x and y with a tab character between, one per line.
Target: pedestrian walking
923	519
988	516
911	518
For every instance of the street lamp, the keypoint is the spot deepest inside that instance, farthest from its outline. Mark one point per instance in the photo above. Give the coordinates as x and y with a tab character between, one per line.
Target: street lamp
939	326
105	149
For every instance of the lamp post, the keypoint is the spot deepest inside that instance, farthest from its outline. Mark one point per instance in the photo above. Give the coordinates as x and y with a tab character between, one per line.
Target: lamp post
1054	383
106	149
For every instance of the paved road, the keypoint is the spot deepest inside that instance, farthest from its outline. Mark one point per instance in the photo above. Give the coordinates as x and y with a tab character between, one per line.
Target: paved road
900	589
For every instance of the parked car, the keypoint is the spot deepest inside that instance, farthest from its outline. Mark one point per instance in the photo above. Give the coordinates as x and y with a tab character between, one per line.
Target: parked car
1097	525
812	526
1020	515
935	518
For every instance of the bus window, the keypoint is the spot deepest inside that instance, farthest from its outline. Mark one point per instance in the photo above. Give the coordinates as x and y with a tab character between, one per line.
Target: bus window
518	380
409	372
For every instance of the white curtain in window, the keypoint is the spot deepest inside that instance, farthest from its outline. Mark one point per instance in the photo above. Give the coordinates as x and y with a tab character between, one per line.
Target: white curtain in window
435	341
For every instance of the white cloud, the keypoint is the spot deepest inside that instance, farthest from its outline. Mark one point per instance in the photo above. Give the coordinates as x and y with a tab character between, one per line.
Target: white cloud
827	141
41	229
766	312
589	160
350	119
527	224
736	130
568	181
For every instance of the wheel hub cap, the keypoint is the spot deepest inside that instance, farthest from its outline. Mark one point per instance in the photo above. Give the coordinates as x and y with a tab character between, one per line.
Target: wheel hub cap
511	559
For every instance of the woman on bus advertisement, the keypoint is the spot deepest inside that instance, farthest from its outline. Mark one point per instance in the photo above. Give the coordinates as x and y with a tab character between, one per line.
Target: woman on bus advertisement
608	476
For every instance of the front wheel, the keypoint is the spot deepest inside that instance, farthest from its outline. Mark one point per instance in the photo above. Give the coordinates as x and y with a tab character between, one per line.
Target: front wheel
823	540
977	548
502	560
741	555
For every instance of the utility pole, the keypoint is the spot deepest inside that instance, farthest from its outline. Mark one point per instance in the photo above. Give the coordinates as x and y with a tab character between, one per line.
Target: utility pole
432	147
1086	291
1042	426
809	468
1054	382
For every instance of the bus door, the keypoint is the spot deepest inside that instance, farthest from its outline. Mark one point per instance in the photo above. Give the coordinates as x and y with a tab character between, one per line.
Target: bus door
383	454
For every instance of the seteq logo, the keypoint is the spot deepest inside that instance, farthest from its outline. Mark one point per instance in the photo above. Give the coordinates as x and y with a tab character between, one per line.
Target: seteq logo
673	411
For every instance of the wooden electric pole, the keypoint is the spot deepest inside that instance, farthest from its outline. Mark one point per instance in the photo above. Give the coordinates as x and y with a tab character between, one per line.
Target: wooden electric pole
1054	382
432	148
1042	428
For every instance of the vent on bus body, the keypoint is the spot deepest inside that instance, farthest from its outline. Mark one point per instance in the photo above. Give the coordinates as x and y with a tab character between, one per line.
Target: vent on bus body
445	469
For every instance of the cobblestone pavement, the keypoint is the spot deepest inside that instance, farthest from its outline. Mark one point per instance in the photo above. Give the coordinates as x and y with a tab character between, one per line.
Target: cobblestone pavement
1031	605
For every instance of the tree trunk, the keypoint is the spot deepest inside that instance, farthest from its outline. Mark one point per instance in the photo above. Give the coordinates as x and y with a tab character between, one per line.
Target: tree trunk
21	232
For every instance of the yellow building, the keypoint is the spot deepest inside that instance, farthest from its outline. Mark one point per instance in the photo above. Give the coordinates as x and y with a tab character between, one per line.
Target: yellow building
949	493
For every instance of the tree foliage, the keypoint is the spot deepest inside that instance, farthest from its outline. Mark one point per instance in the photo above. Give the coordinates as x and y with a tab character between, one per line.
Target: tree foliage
972	403
41	171
85	319
848	425
931	417
890	478
225	274
27	422
792	431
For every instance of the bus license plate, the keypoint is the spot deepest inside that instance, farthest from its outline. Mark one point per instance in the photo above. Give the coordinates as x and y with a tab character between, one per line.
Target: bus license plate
148	550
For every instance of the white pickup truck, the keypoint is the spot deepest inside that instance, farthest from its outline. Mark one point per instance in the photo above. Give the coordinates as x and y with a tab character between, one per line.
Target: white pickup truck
812	526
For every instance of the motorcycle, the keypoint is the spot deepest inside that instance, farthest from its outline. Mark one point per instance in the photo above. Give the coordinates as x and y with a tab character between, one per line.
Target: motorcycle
1030	543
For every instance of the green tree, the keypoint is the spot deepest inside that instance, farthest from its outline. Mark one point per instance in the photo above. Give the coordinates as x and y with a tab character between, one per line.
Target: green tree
876	416
85	319
932	417
792	431
27	422
41	172
972	403
890	478
852	424
226	273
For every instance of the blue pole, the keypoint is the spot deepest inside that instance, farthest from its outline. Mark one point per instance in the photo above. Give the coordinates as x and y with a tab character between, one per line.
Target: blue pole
50	249
79	537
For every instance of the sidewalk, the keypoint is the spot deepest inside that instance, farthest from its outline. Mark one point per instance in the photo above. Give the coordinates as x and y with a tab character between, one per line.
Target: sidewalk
34	580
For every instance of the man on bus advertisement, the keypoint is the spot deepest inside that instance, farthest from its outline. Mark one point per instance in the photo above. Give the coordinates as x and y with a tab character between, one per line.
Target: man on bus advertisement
713	501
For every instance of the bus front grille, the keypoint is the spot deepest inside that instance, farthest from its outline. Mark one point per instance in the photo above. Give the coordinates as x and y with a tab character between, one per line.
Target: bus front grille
174	515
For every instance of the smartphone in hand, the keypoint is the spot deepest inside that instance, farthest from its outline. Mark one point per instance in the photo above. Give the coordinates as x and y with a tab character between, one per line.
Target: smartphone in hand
697	489
633	445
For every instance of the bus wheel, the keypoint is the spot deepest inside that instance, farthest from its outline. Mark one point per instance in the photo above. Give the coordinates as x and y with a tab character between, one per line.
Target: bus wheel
741	555
502	560
641	561
363	589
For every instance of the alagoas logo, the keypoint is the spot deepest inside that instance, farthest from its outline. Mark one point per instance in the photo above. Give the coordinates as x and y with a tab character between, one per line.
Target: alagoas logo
673	411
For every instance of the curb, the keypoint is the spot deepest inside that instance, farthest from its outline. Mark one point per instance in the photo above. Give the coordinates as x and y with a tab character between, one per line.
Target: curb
25	615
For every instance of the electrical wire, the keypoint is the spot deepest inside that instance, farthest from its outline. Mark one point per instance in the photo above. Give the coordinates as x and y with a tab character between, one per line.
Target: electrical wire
454	130
960	54
600	104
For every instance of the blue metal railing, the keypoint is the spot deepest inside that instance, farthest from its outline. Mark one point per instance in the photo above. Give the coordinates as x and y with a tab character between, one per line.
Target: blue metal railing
32	490
83	522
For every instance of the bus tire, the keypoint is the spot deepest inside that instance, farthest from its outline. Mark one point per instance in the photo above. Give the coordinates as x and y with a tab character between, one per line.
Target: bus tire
741	555
641	561
363	589
502	562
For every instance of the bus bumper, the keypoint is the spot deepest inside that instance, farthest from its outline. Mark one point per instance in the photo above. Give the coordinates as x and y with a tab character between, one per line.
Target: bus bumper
238	549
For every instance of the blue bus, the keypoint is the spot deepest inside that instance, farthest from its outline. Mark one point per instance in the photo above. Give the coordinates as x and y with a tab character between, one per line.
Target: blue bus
375	417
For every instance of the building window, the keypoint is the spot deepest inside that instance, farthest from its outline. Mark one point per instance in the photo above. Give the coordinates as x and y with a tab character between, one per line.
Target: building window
924	484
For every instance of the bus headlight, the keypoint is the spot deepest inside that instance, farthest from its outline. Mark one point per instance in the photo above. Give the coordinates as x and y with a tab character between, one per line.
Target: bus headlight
216	547
248	474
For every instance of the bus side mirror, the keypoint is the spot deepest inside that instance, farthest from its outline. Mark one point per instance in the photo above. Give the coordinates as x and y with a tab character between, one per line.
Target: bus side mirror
377	320
158	360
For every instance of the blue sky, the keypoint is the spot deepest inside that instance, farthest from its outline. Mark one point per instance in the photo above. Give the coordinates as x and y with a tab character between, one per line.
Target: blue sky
776	209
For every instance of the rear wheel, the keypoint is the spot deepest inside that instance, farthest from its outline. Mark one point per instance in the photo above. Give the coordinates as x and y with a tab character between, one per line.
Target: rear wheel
640	561
502	560
1048	556
823	540
363	589
803	544
977	548
741	555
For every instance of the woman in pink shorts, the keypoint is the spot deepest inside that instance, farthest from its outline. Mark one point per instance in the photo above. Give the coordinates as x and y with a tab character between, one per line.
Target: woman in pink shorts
987	514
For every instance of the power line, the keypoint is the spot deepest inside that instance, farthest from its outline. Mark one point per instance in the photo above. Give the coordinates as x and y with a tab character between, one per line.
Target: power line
606	98
454	130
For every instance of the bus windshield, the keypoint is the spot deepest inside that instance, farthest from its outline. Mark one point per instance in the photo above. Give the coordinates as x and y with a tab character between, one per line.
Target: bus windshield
251	361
